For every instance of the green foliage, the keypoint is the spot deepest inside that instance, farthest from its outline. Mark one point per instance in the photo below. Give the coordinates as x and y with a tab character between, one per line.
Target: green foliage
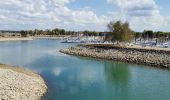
91	33
120	32
58	31
55	31
24	33
157	36
148	34
137	35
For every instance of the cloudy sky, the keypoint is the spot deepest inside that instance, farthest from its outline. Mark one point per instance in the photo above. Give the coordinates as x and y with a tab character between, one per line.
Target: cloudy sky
84	14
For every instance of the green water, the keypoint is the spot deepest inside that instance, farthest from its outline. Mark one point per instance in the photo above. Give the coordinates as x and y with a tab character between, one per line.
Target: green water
76	78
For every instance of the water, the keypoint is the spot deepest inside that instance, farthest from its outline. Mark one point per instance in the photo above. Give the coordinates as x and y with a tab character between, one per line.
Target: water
76	78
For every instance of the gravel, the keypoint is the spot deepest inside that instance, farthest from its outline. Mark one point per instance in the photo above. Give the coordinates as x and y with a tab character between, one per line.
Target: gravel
140	56
19	86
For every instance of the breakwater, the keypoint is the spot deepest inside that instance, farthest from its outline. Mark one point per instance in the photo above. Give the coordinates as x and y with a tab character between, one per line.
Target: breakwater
152	57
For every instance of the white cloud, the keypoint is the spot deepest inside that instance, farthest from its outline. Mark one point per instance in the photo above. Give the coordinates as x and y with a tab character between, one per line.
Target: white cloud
57	71
43	14
2	17
142	14
29	14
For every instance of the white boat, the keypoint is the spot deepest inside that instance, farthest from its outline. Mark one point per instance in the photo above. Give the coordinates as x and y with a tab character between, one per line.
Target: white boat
82	40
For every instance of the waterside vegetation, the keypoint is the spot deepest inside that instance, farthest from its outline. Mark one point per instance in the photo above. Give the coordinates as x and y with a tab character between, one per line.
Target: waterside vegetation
117	31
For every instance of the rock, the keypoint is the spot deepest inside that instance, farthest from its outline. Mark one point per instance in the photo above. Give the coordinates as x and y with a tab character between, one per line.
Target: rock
151	57
15	85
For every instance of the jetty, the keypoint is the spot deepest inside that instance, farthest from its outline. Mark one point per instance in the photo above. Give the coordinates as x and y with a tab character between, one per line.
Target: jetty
147	56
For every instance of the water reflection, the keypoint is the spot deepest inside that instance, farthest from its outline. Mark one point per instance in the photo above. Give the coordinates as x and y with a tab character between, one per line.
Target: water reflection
117	73
76	78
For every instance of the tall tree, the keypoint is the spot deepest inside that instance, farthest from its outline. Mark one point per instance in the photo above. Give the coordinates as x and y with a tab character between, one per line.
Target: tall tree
120	32
149	34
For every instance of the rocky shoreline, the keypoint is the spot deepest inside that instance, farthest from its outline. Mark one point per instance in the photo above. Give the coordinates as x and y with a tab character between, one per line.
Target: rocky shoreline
18	84
16	39
151	57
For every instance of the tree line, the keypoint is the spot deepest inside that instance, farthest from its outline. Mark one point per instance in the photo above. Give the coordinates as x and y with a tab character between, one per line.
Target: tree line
92	33
121	32
150	35
57	31
117	32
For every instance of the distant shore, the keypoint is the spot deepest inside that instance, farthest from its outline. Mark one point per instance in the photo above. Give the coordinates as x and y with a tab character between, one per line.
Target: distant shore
15	39
159	57
19	84
30	38
47	37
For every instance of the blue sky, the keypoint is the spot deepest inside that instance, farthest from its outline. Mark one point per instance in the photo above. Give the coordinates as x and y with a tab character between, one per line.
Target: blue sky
82	15
164	6
100	7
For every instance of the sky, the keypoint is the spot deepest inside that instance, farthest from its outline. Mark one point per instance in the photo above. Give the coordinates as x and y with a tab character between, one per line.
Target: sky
80	15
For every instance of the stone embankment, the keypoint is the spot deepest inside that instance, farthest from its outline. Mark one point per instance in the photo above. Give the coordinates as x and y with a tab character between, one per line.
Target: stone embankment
152	57
18	84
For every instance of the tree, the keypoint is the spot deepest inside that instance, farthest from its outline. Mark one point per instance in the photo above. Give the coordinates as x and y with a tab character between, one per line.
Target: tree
127	34
157	34
120	32
55	32
62	32
23	33
86	33
138	34
148	34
